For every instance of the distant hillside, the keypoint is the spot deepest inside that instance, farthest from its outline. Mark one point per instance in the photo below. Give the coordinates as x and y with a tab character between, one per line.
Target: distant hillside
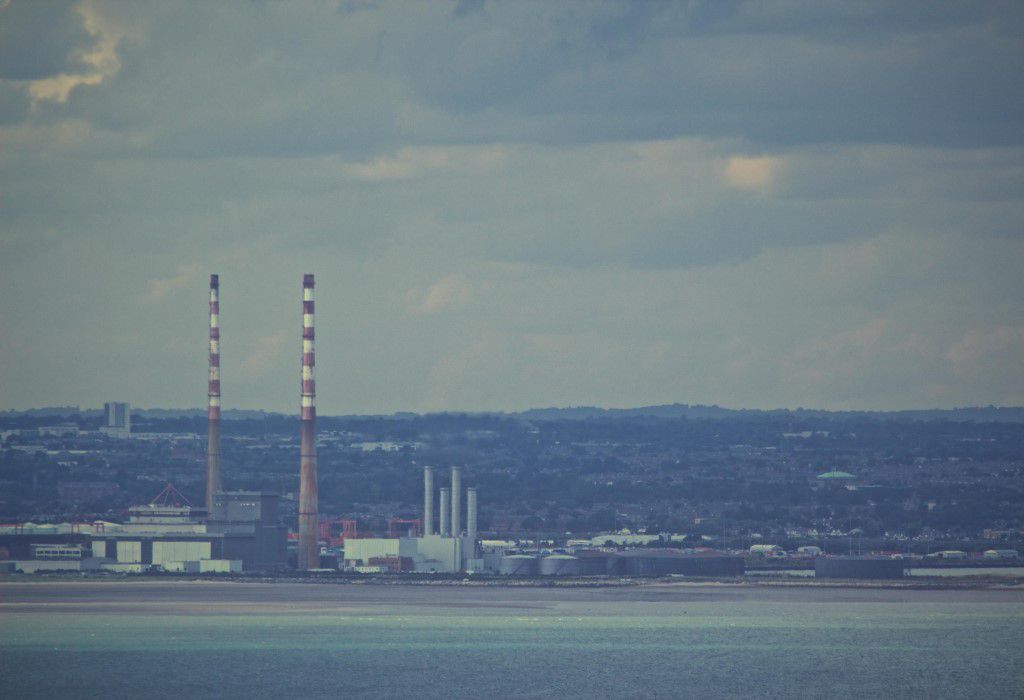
984	414
227	414
978	414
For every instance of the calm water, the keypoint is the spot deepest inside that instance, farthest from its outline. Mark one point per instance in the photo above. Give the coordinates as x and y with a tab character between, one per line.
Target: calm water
249	641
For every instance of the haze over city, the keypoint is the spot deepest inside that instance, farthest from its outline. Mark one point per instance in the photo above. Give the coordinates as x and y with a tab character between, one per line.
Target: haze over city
514	205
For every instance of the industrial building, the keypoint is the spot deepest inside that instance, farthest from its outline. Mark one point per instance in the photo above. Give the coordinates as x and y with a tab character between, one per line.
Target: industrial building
444	547
244	527
243	531
859	567
1000	554
634	562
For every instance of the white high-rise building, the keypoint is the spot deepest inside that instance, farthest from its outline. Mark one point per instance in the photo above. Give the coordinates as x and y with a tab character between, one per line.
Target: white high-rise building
118	421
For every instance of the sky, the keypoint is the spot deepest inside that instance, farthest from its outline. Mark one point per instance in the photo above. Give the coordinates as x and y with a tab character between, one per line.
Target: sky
801	203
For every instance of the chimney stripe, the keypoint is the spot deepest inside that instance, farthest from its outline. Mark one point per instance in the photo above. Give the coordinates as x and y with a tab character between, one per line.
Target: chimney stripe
308	551
213	476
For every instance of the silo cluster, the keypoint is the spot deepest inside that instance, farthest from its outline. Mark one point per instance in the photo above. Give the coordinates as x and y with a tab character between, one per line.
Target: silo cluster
639	562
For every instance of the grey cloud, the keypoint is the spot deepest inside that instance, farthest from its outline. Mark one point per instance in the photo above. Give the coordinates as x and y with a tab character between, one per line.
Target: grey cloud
468	7
40	39
14	104
356	82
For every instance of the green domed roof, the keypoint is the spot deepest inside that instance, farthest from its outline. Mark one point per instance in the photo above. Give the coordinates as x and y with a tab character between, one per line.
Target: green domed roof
835	474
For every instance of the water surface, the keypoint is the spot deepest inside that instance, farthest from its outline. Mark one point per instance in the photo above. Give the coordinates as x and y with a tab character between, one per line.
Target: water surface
241	640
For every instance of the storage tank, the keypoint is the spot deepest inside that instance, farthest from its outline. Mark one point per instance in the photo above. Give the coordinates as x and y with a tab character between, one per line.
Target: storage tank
560	565
665	562
641	565
712	565
593	563
616	565
518	565
858	567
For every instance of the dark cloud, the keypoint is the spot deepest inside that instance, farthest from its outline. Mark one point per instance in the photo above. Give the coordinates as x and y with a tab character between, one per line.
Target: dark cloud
40	39
216	79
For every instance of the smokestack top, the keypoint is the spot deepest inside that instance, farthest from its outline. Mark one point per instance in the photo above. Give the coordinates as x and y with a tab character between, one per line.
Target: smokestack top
214	281
308	355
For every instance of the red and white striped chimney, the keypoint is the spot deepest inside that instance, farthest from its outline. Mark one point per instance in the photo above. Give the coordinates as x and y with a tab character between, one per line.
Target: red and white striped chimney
213	478
308	552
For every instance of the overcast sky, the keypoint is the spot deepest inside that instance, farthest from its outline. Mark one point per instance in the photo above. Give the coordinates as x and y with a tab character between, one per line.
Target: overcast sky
515	204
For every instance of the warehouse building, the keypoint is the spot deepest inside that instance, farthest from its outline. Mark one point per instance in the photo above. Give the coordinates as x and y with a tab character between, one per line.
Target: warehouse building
244	527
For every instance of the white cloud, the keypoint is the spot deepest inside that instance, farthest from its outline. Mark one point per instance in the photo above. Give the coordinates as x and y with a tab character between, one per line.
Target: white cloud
163	287
267	355
752	174
978	347
101	58
413	163
447	293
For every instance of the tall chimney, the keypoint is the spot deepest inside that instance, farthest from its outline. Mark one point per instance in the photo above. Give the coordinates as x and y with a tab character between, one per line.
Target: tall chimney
213	479
471	516
456	502
446	503
308	552
428	501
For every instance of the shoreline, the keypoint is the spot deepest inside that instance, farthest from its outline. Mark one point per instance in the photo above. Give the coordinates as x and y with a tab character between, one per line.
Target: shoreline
206	598
922	583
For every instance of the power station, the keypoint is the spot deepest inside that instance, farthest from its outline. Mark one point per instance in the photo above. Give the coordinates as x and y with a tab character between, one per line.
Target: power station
238	531
446	547
451	550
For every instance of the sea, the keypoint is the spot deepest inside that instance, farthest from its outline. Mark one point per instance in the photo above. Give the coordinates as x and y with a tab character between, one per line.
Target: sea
202	639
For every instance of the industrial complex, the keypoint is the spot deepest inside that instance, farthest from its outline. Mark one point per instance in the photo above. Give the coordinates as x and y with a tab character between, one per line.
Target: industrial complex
248	531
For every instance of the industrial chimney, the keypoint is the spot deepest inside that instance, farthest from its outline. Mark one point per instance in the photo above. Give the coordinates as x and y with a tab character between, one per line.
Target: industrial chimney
471	516
446	522
456	502
428	501
308	552
213	479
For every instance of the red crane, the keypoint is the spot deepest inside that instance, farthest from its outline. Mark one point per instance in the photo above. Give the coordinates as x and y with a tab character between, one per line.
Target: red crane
413	528
327	530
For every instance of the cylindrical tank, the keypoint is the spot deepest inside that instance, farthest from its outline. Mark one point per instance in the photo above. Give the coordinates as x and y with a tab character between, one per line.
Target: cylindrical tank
518	565
616	565
593	563
669	565
642	566
559	565
712	566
